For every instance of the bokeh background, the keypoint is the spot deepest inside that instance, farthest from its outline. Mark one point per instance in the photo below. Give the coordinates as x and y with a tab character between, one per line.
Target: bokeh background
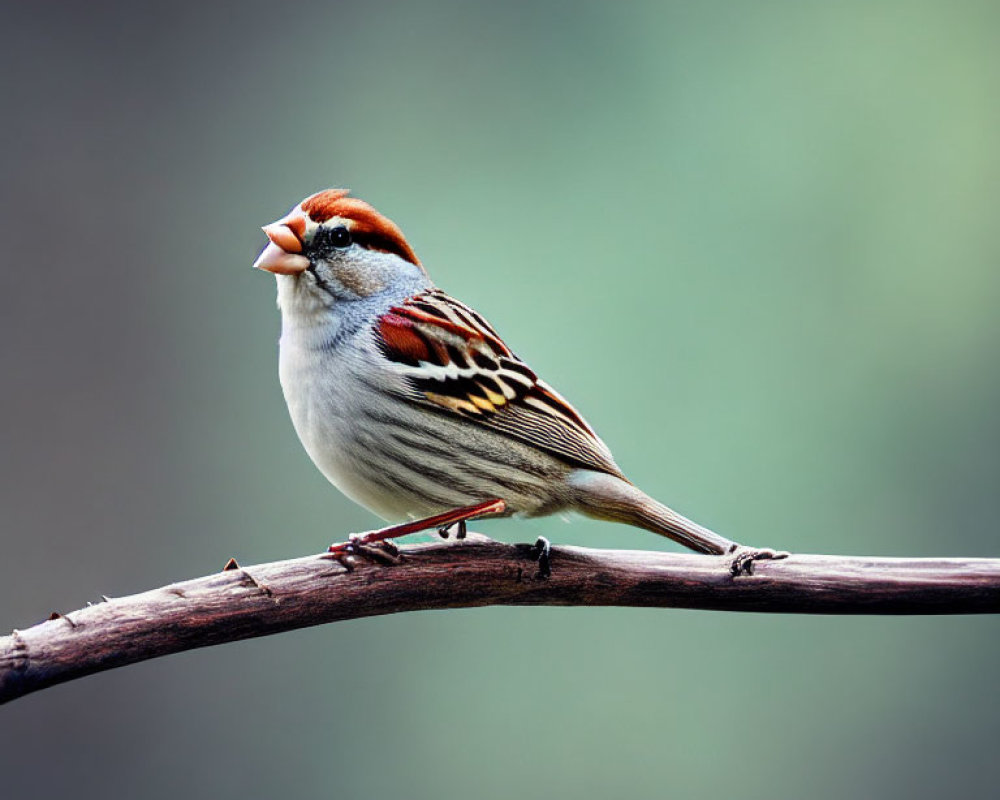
756	243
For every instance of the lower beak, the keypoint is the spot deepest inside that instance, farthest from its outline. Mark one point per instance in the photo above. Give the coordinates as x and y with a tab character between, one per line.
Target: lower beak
275	259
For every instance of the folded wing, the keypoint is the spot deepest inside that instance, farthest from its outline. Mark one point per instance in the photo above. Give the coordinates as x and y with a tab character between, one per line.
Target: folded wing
453	360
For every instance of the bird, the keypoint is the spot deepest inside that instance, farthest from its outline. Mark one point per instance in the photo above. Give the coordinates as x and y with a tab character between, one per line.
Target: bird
413	406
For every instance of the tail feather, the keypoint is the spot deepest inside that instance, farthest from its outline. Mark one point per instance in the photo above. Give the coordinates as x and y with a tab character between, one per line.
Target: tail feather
608	497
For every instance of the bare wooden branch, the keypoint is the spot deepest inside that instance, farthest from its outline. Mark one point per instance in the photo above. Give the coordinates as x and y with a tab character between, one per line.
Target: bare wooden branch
243	602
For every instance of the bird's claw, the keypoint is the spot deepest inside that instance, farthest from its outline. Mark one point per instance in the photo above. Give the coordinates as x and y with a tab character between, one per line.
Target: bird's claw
382	552
744	558
460	528
541	551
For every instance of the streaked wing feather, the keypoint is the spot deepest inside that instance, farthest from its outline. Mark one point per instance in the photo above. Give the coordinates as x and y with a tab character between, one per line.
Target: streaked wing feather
453	359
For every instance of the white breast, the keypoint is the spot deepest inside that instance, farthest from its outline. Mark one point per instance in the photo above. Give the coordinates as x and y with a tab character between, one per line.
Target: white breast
323	393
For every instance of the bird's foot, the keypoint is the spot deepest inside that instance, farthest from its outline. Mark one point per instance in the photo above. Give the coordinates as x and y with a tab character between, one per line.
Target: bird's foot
441	521
541	551
381	552
744	558
460	528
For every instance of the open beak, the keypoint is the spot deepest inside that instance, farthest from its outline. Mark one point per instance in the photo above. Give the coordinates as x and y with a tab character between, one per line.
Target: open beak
282	256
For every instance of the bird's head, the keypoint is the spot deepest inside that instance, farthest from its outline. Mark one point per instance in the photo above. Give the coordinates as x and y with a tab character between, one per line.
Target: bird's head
332	247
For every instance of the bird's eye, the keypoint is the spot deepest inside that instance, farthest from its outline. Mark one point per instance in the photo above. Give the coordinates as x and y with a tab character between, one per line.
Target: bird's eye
339	237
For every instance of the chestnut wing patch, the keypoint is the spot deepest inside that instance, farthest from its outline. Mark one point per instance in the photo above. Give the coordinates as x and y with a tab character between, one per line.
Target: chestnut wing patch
453	359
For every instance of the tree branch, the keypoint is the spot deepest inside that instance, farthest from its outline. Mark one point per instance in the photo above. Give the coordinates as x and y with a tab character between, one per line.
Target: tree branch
240	603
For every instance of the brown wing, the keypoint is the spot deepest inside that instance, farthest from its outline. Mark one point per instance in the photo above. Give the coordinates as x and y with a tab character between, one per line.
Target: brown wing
453	359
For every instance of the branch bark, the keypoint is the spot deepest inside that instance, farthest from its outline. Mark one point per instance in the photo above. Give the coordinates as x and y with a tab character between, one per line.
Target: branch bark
244	602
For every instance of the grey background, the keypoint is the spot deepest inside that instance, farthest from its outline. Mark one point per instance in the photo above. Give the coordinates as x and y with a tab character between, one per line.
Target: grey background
756	244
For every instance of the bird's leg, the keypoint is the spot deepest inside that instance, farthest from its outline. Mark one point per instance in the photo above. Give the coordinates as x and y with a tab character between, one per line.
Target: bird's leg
460	530
541	551
456	516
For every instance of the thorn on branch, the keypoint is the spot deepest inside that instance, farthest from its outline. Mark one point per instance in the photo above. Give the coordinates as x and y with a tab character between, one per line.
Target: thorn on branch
250	580
57	615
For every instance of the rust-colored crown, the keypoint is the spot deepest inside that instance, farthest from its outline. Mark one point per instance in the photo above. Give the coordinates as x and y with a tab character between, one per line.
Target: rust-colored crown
368	227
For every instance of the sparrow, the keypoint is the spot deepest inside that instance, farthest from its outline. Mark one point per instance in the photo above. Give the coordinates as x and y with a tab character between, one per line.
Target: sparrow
411	404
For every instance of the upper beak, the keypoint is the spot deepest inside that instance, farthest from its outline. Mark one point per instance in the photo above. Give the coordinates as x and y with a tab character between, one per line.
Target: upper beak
282	256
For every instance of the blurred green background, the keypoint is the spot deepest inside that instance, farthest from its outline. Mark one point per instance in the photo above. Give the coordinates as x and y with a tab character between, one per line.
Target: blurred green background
755	243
